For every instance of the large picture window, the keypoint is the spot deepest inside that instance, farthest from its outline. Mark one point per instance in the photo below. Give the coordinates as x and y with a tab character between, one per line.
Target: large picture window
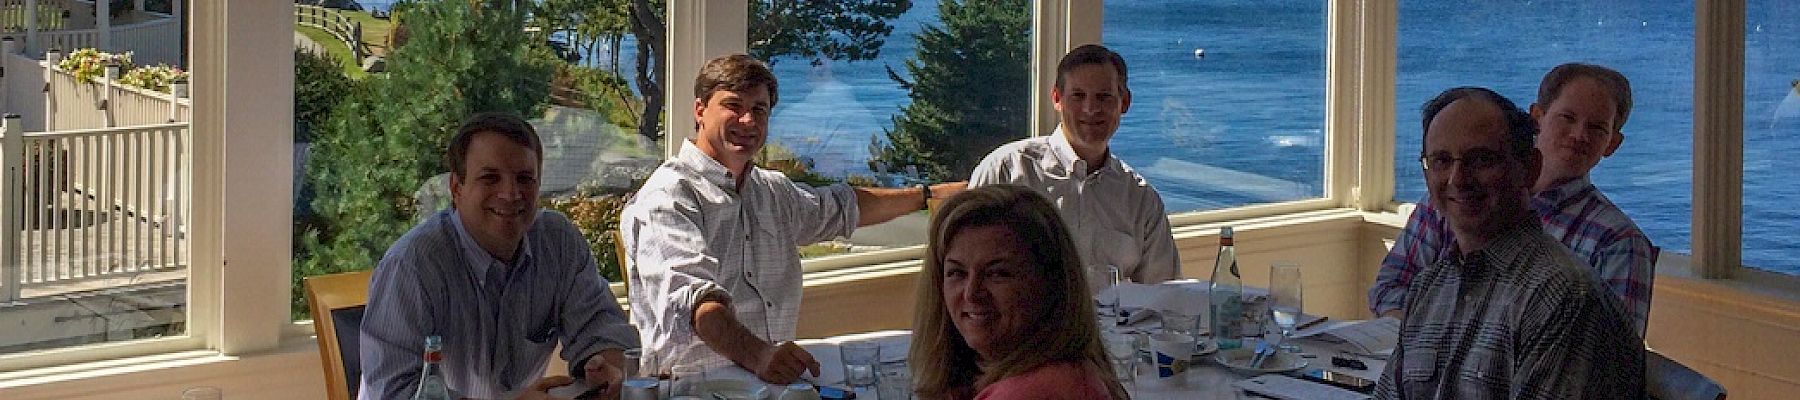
1771	230
1509	45
885	95
1228	99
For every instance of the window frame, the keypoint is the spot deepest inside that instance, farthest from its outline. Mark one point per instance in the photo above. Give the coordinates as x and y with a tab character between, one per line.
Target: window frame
1359	153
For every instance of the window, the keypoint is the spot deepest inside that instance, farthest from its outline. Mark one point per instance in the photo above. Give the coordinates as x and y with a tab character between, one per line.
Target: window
1228	99
1771	231
569	68
923	102
98	247
1508	46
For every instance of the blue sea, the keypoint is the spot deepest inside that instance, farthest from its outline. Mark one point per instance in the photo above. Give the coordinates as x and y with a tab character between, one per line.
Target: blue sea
1244	123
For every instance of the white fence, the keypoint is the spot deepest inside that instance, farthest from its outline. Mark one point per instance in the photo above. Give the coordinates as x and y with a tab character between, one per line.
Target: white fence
52	99
152	37
93	203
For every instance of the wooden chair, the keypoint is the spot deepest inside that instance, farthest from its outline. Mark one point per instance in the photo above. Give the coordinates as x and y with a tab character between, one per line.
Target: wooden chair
619	251
337	302
1666	379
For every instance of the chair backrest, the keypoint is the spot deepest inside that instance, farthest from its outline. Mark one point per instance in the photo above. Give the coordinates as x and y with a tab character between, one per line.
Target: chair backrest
1669	380
337	302
619	251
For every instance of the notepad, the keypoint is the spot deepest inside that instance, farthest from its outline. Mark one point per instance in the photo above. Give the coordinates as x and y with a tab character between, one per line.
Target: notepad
1288	388
1374	338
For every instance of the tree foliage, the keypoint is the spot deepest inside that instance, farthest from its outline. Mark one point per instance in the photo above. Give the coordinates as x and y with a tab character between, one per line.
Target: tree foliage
818	29
836	30
388	136
969	89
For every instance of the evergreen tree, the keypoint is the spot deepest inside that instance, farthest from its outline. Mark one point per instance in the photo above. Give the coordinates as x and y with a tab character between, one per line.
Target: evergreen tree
969	90
389	135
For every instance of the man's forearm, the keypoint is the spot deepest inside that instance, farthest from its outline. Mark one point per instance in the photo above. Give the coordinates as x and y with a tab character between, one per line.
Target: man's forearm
719	328
878	205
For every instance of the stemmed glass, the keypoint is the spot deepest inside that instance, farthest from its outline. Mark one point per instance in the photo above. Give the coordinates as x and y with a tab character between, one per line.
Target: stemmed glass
1285	300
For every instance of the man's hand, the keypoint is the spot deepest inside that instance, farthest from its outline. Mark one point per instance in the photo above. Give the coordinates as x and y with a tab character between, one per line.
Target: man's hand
599	372
1396	313
540	390
782	363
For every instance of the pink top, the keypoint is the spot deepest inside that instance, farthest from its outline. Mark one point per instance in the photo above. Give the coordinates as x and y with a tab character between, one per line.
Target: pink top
1059	380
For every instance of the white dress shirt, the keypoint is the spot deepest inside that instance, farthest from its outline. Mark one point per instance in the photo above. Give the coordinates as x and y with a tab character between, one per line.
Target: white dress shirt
1116	218
689	234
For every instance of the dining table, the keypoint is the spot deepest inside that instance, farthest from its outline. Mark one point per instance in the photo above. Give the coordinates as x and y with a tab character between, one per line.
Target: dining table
1204	378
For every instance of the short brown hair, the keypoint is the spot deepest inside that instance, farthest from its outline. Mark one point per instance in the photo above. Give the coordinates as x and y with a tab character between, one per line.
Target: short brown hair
505	124
1091	54
1614	82
736	72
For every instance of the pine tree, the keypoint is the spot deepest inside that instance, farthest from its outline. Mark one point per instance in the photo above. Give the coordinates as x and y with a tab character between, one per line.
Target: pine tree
969	90
384	140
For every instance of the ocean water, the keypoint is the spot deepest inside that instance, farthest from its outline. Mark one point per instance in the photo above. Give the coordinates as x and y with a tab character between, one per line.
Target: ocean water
1244	123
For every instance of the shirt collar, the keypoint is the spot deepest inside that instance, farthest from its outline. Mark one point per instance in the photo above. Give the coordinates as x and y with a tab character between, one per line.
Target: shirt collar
1564	191
706	167
1064	159
478	258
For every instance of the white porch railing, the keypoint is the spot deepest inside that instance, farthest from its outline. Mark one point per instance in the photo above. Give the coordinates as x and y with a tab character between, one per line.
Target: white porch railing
85	204
152	37
52	99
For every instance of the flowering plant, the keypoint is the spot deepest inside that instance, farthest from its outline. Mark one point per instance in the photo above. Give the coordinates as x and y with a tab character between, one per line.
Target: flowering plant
155	78
87	64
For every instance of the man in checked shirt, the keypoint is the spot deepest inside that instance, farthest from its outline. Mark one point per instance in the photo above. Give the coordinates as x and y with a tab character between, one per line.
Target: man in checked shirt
711	240
1580	113
1507	312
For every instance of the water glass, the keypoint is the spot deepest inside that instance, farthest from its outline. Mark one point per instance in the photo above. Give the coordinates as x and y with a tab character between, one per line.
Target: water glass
860	358
201	393
1121	348
634	358
1285	299
688	379
1100	279
894	382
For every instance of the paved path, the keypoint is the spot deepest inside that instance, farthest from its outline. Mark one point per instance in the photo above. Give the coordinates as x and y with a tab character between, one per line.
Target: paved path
305	43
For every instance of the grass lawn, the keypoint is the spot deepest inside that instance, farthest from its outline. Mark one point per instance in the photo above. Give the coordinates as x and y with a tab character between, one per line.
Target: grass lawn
374	30
335	48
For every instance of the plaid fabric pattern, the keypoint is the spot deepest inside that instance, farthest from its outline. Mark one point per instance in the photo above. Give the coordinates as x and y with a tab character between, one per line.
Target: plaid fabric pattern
1521	319
1575	213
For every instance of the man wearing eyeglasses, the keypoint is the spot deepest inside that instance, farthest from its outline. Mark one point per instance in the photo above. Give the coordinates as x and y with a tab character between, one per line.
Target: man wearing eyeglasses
1507	311
1580	111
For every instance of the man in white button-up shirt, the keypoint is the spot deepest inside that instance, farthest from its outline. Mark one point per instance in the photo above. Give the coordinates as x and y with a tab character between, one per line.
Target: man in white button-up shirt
1117	218
711	240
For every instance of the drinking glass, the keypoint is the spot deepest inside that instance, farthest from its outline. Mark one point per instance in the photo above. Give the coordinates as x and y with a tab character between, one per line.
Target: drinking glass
1100	279
860	358
894	381
688	379
1285	300
1121	348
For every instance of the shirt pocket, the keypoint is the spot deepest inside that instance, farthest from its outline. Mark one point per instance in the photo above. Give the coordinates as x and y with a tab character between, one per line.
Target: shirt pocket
1418	370
1119	249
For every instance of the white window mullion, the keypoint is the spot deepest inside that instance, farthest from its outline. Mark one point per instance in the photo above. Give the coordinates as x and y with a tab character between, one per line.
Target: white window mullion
1056	27
697	31
1718	137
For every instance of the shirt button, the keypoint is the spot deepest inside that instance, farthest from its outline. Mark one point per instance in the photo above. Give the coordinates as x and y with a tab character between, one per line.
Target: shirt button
749	274
769	303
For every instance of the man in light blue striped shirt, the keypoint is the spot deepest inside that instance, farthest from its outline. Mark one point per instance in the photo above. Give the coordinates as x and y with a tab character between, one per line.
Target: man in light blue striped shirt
501	282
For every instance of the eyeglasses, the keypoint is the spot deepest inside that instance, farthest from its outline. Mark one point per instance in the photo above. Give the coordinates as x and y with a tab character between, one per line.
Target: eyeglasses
1479	161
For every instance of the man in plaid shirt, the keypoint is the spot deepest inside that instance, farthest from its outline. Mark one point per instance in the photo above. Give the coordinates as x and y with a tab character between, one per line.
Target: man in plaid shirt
1580	111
